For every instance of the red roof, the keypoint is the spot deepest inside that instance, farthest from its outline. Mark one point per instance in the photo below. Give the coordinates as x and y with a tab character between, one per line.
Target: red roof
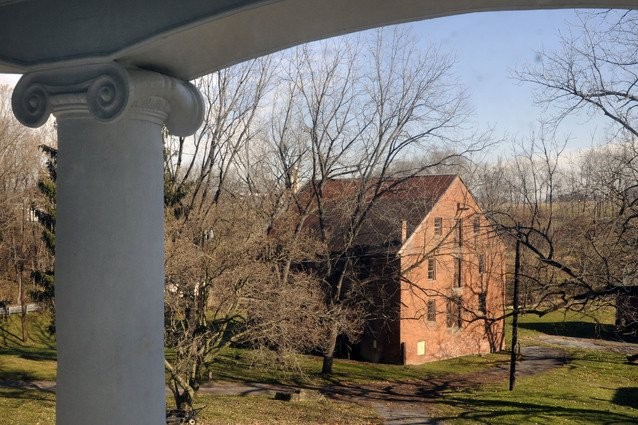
397	200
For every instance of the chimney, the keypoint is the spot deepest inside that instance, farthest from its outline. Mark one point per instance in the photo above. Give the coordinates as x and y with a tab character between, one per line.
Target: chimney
404	230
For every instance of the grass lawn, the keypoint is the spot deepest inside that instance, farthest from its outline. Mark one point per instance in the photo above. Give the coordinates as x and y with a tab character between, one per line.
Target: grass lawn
231	410
594	387
597	324
34	407
245	366
19	365
33	361
25	406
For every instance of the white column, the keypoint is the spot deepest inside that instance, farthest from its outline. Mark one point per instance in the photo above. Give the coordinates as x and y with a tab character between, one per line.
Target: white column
110	227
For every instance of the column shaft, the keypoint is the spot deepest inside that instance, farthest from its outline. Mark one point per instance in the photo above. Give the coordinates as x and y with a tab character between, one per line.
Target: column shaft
109	269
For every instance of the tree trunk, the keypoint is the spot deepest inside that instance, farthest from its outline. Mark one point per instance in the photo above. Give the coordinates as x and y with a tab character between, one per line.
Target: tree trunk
183	399
328	357
326	367
23	305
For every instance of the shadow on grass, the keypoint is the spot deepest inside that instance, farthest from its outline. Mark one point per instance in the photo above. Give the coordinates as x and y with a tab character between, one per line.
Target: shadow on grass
486	411
30	353
39	334
16	376
37	368
32	394
626	396
48	355
457	394
390	392
574	329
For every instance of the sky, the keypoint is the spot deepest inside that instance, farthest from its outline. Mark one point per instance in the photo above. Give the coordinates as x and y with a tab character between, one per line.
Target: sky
488	46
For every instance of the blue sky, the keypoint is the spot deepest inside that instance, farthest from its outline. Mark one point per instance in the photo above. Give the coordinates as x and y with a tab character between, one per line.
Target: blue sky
488	46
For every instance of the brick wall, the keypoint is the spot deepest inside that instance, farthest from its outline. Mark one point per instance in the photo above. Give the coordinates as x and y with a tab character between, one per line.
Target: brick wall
440	311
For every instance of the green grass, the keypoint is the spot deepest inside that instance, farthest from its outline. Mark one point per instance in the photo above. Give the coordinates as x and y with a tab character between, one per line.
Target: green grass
20	365
594	387
598	323
33	361
34	407
26	406
39	338
222	410
244	366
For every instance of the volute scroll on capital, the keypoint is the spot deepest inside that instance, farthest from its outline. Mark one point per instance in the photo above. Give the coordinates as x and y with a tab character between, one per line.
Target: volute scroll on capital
108	92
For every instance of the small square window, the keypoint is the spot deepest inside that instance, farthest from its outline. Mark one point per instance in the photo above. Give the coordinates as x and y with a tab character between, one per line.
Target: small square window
420	348
431	268
438	226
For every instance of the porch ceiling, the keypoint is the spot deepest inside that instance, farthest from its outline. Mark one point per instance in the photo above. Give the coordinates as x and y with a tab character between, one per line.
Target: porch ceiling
189	38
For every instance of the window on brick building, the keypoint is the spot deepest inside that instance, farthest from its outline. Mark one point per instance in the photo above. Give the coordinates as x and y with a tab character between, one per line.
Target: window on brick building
431	268
481	263
438	226
431	311
477	225
482	302
458	231
453	316
458	272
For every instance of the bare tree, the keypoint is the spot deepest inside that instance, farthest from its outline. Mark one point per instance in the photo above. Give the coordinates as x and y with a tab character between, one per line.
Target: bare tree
594	71
204	164
20	247
581	223
219	288
211	237
575	223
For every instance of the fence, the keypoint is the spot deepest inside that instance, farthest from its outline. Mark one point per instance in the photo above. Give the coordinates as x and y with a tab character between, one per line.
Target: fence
17	309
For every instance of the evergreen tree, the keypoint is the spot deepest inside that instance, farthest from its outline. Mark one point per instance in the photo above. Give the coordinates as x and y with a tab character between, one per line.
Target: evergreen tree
45	214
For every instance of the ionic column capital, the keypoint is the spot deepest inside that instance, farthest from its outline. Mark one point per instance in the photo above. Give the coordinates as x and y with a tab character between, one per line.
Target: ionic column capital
108	92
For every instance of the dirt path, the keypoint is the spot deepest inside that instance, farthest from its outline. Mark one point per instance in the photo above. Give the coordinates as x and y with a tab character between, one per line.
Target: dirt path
34	385
590	344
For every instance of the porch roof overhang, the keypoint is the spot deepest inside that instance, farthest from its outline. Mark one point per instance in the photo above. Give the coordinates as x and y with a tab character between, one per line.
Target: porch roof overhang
190	38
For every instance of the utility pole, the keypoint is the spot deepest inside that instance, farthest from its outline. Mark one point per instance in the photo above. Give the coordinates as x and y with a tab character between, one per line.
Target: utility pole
517	267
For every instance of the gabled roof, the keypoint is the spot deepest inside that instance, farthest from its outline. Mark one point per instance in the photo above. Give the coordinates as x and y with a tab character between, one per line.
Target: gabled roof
399	200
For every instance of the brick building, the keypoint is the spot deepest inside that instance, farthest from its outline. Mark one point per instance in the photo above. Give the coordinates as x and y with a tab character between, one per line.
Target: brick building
434	268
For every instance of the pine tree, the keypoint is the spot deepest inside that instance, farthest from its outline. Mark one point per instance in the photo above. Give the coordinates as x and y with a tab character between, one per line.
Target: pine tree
45	214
